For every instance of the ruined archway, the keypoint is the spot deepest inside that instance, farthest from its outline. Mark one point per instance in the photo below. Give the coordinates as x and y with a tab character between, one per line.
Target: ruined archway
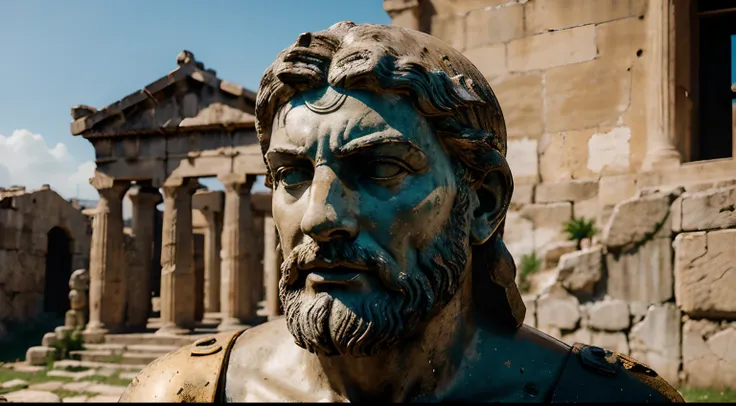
58	271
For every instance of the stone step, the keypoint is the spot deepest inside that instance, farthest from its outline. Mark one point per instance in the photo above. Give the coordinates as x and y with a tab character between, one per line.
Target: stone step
139	358
115	348
152	339
63	364
151	348
95	356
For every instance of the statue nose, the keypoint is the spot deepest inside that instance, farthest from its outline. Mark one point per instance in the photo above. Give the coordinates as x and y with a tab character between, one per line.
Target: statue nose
329	213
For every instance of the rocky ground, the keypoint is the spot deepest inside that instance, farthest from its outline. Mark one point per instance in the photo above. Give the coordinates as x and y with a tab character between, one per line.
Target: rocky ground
20	382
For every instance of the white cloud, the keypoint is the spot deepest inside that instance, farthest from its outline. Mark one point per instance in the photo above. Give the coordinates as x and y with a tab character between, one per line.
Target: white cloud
26	160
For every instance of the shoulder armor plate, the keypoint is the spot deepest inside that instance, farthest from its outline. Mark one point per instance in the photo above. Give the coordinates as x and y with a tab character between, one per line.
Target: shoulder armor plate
592	374
194	373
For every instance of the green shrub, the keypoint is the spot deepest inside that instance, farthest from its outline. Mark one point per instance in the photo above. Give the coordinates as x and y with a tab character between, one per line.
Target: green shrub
530	264
578	229
70	341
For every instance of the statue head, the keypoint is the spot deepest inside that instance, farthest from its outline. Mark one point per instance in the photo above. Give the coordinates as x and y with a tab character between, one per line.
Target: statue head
385	150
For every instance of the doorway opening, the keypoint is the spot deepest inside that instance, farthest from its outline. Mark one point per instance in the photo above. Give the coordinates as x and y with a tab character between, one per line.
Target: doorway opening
58	272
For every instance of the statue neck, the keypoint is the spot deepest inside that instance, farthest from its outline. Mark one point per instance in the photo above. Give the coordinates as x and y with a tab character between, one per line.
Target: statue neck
423	365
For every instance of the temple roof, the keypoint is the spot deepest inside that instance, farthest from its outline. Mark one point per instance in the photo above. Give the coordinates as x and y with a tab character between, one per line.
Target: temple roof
232	104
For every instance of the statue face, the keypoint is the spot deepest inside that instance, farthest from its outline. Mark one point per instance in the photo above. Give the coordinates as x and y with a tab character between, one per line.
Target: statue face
372	218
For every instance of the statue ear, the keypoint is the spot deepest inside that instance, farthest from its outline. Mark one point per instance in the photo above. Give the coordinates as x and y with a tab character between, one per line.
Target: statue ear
494	195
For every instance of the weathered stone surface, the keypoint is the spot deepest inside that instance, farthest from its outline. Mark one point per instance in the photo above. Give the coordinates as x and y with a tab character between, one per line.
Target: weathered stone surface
587	209
27	305
548	221
644	274
530	301
520	97
580	271
451	29
609	315
49	339
638	219
105	389
553	251
571	191
557	309
614	189
32	396
583	154
103	399
75	399
548	15
708	355
40	355
552	49
638	311
581	335
709	210
13	383
444	7
619	41
518	235
570	103
542	281
655	341
523	194
494	25
616	342
522	158
47	386
705	276
491	62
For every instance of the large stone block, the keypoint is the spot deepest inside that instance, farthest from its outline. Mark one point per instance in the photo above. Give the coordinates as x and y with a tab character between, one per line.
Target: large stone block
27	305
451	29
638	219
522	158
708	354
552	252
622	42
548	15
709	210
552	49
548	221
520	97
564	156
705	276
614	189
642	274
491	61
557	310
571	104
616	342
494	25
580	271
518	235
40	355
571	191
609	315
444	7
523	194
530	301
655	341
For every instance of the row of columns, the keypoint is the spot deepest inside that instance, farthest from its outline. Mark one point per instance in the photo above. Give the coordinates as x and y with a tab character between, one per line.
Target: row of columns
120	293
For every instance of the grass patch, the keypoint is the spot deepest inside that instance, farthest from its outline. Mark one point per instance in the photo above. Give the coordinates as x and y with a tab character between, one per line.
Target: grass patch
71	341
30	377
107	380
12	389
530	264
75	368
708	395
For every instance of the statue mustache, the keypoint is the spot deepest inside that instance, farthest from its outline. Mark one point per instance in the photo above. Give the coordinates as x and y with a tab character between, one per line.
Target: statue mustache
338	253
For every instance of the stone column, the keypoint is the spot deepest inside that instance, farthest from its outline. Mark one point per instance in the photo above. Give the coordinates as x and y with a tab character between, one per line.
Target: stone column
212	246
144	199
237	287
177	261
107	282
271	267
661	150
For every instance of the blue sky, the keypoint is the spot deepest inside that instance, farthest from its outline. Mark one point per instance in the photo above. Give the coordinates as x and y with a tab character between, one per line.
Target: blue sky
56	54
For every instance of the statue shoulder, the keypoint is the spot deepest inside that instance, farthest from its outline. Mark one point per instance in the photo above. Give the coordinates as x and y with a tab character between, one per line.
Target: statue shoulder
592	374
194	373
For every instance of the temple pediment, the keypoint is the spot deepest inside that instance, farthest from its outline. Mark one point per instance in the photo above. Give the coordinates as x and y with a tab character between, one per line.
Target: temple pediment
188	97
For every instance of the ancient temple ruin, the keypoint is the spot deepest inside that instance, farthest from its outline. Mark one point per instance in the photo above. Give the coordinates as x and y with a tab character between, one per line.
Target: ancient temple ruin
183	127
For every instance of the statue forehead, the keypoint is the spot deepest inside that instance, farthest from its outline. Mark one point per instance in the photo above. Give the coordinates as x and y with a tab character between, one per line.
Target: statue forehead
345	115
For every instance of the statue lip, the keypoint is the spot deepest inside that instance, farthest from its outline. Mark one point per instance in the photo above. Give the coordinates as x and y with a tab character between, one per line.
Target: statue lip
336	275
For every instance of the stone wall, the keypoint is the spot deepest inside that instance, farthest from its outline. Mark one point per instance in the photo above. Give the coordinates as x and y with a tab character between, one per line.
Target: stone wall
25	221
659	285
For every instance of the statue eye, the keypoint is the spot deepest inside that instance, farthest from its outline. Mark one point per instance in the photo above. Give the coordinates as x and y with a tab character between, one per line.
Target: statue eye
384	170
292	177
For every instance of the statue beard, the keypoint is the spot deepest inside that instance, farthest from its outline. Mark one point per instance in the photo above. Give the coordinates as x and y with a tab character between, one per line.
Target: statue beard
365	324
